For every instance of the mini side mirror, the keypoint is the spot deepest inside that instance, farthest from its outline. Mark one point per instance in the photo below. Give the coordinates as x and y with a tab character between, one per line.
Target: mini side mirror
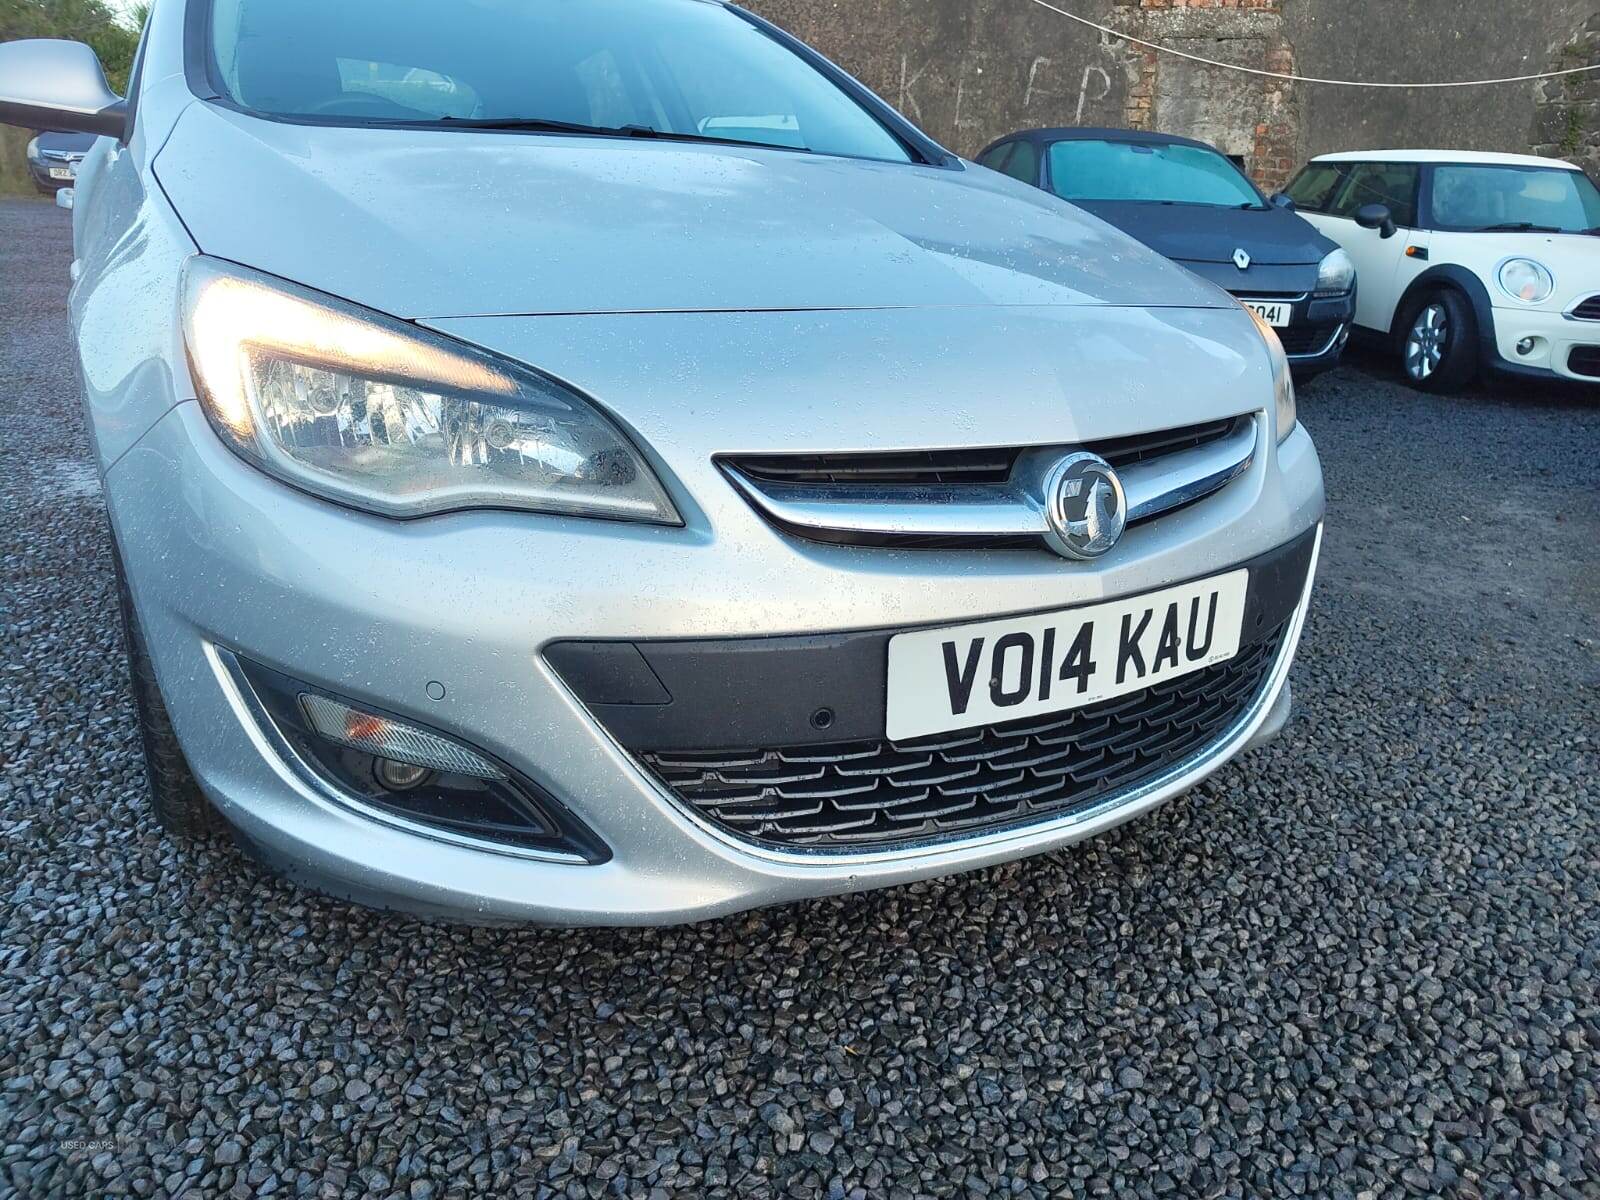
65	197
51	84
1377	216
1284	201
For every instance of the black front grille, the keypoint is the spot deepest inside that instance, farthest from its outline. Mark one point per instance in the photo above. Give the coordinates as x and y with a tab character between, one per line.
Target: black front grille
922	468
1585	360
857	795
937	468
1307	338
1589	310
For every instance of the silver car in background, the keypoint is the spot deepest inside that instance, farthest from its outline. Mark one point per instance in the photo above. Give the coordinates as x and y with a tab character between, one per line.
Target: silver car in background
594	462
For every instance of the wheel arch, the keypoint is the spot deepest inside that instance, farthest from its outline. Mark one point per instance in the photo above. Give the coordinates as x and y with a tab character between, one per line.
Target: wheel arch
1459	279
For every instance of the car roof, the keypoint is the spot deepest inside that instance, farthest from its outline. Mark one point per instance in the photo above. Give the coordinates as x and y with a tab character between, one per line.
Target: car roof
1078	133
1474	157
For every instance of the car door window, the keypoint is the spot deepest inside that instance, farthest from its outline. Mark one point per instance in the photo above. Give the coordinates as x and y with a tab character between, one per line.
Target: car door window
1391	184
1314	187
996	156
1023	163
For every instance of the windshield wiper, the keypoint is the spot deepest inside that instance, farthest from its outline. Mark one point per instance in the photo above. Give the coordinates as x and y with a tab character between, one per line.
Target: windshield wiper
530	124
541	125
1520	227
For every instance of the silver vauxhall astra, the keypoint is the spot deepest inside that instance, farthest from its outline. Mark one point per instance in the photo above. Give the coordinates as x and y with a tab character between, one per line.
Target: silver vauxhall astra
594	462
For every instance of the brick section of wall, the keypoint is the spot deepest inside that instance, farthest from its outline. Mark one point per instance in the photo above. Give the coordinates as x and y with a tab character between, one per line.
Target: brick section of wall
1268	135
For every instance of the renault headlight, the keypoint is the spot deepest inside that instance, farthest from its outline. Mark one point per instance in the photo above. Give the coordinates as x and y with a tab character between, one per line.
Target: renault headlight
1285	409
1525	280
394	419
1336	275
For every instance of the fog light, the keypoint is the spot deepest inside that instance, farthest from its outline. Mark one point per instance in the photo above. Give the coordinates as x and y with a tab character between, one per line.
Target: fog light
399	776
401	744
1526	346
390	768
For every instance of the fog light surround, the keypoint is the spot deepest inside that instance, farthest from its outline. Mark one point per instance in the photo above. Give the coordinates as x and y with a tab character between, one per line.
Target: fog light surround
391	769
1527	346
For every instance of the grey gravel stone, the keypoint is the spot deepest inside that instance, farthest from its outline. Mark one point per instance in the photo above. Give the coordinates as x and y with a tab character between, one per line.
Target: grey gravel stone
1361	963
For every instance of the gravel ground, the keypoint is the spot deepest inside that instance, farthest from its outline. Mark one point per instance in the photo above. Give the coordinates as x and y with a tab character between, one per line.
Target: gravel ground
1363	963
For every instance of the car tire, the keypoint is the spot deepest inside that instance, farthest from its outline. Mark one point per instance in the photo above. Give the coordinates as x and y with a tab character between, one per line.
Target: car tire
1438	342
179	805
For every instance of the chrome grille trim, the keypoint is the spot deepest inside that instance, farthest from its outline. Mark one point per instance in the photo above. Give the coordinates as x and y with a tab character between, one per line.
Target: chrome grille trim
979	512
1587	309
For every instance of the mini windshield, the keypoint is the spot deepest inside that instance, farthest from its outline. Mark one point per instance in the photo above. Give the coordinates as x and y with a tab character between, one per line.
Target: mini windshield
1512	199
675	68
1151	174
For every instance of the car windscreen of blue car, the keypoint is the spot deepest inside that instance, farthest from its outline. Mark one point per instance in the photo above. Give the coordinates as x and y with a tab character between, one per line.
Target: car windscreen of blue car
1157	174
1471	198
623	67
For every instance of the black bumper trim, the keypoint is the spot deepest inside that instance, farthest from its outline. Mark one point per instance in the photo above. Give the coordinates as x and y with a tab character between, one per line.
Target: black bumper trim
809	690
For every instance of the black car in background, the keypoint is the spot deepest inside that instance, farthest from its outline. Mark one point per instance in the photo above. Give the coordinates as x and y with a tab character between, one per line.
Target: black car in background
1188	201
53	158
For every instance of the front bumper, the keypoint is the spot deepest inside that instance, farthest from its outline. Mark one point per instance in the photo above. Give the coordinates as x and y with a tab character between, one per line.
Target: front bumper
222	559
1319	327
40	171
1563	348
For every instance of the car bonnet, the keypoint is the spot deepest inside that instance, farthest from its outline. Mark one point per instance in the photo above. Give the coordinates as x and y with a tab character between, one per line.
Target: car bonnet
447	223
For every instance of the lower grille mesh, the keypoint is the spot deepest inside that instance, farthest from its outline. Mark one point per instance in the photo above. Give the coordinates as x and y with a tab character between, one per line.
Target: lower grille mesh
1306	339
856	795
1585	360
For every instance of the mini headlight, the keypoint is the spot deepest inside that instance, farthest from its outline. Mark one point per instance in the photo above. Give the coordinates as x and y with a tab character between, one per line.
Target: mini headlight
1525	280
1336	275
395	419
1285	408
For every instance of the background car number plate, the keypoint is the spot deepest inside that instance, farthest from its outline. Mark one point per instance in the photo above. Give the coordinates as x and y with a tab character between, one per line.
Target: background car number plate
1278	316
942	680
60	172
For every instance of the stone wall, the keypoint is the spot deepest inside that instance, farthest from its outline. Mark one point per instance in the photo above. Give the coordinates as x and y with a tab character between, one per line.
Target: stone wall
969	71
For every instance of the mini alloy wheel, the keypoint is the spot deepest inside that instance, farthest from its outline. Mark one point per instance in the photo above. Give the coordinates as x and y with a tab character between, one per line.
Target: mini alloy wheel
1440	346
1426	344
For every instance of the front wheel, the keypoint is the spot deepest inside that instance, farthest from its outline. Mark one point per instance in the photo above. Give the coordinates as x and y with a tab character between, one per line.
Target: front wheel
1439	343
179	805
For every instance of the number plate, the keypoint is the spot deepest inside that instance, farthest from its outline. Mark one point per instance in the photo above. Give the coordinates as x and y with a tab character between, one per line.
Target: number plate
1279	316
60	172
942	680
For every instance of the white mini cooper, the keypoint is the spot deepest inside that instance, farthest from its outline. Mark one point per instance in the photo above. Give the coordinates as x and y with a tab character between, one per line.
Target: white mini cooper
1466	261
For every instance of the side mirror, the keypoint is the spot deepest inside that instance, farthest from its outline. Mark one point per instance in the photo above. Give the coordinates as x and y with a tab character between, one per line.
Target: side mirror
51	84
1283	200
66	197
1377	216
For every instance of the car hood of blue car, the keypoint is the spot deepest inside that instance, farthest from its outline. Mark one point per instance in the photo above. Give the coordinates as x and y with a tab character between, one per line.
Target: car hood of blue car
1200	233
447	223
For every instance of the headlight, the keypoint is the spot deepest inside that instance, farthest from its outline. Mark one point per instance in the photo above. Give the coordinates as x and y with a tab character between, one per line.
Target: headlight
394	419
1525	280
1336	275
33	150
1285	408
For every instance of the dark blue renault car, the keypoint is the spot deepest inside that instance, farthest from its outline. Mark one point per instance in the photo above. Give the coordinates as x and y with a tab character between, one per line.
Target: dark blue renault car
1188	201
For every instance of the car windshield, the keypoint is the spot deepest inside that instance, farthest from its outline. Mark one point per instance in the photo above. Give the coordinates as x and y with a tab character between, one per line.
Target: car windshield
1149	174
1511	199
683	69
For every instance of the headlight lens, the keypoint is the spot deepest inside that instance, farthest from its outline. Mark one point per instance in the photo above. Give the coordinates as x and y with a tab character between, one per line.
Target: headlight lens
1527	281
394	419
33	150
1336	275
1285	408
